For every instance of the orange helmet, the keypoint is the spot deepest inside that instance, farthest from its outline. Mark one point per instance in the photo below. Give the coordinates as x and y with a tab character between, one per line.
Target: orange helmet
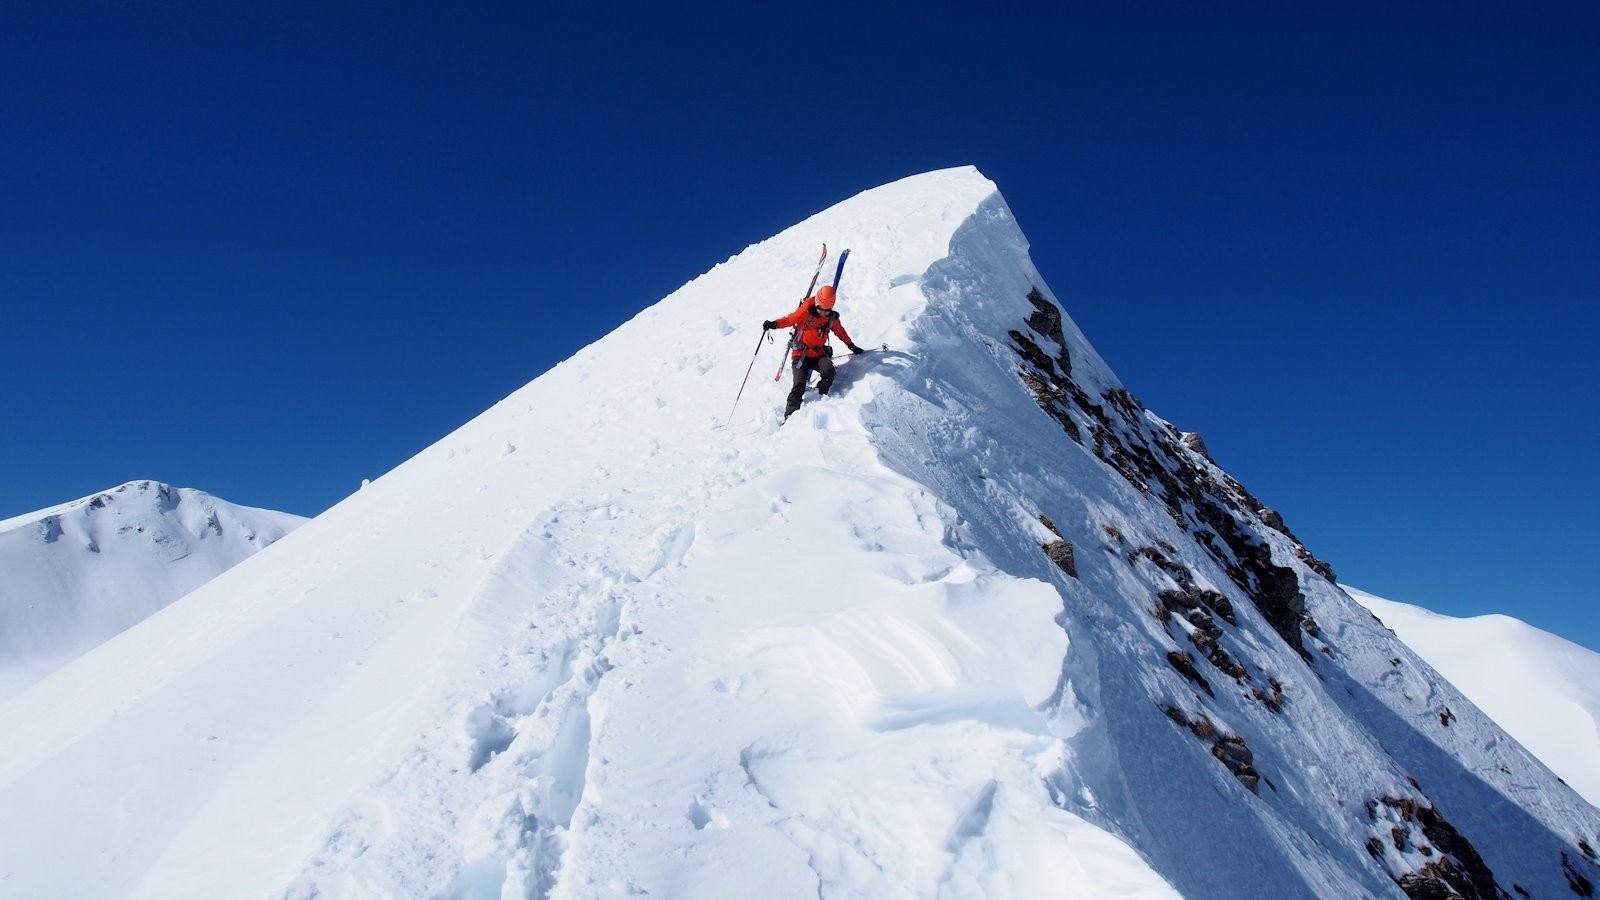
825	296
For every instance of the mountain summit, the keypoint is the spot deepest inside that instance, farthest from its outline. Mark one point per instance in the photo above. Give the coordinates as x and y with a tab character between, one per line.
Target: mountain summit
78	573
977	624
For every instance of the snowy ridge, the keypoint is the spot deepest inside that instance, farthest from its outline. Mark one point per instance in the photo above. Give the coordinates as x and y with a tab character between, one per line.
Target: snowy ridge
80	572
1543	689
977	625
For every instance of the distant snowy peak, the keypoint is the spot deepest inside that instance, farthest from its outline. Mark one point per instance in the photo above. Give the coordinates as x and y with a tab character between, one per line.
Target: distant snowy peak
144	507
1543	689
131	506
80	572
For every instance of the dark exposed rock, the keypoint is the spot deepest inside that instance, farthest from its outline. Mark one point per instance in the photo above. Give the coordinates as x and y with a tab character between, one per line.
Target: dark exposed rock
1584	846
1579	884
1236	756
1179	573
1060	549
1319	566
1184	663
1150	456
1227	665
1053	392
1060	553
1273	700
1206	630
1196	605
1195	442
1446	717
1046	320
1201	727
1274	589
1431	882
1459	872
1229	749
1274	520
1048	378
1192	598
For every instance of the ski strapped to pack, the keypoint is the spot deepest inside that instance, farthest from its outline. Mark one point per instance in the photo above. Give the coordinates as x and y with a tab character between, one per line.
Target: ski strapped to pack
794	333
814	274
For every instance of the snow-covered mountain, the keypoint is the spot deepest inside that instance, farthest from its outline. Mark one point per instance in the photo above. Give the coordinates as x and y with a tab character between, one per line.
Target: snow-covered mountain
1543	689
976	625
78	573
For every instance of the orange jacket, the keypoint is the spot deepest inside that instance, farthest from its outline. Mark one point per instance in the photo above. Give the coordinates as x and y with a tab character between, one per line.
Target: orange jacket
814	328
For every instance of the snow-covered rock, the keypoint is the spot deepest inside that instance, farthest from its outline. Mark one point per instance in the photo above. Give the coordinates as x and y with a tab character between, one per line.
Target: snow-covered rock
1542	689
78	573
652	652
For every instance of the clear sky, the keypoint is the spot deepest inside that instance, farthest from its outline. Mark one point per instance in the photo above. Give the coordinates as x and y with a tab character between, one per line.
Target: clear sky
270	250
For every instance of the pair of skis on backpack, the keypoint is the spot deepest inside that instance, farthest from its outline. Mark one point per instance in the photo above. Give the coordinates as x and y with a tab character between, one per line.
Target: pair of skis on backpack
838	272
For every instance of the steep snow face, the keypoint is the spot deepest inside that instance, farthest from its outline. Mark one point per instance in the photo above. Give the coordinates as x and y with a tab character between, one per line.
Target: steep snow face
975	625
1208	646
1542	689
81	572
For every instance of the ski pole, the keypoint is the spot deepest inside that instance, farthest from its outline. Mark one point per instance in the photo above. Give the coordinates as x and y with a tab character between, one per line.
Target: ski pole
778	375
747	372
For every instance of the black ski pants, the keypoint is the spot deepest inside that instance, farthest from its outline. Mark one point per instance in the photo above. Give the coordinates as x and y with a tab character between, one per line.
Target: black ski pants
803	367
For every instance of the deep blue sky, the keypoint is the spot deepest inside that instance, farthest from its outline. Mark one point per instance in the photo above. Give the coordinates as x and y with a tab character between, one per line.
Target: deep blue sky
269	251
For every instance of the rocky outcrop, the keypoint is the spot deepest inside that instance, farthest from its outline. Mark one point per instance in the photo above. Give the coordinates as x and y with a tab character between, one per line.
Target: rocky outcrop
1415	828
1229	749
1576	880
1184	664
1157	459
1059	550
1052	391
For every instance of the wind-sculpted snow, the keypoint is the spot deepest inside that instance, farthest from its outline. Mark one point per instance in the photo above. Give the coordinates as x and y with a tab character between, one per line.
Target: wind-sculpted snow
600	643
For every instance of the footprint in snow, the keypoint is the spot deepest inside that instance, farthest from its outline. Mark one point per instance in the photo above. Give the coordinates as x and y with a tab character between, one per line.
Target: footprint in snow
702	816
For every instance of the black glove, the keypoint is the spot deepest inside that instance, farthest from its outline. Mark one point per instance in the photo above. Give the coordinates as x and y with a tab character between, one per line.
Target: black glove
855	349
768	325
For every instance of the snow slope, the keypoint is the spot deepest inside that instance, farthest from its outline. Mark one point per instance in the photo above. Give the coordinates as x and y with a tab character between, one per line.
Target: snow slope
1542	689
80	572
651	652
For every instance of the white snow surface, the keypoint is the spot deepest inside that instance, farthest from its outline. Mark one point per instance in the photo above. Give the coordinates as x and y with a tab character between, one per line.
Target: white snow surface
600	643
1541	688
77	573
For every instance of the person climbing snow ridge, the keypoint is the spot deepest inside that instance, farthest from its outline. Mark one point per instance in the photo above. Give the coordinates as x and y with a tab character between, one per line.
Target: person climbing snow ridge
817	319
